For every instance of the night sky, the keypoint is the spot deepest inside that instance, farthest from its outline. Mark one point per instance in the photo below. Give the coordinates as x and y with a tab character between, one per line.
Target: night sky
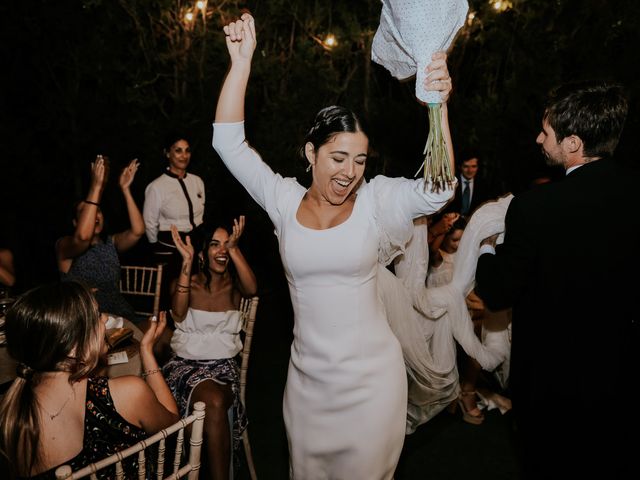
86	77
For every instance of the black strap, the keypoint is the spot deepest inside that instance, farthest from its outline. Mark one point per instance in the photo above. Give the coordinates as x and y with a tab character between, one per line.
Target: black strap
186	194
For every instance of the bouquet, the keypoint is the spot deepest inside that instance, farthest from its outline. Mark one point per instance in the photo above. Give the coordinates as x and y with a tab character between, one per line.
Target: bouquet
410	32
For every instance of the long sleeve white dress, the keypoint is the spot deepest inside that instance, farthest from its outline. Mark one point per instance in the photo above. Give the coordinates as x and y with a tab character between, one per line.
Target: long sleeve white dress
345	401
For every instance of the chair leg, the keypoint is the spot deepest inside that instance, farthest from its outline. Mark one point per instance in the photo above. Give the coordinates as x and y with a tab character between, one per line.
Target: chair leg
248	455
231	461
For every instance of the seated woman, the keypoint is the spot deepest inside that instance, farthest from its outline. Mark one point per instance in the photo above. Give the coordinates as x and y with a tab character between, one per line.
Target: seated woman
206	340
89	257
55	413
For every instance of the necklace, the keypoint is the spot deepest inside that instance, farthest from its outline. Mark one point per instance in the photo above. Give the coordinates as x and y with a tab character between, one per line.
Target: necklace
54	415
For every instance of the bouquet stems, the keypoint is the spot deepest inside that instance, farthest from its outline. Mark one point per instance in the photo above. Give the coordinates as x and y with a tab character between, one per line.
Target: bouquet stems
437	164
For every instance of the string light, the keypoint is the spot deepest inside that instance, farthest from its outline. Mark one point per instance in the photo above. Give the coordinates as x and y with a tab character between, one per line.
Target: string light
330	41
501	5
201	5
188	17
470	17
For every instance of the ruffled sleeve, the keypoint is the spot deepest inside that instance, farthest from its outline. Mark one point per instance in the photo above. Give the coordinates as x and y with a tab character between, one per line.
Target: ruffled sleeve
397	201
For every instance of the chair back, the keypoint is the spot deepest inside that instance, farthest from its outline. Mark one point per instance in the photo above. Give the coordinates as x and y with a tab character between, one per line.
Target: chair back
139	282
190	469
248	309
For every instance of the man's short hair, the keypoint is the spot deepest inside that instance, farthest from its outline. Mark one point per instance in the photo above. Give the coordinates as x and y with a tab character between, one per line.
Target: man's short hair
593	111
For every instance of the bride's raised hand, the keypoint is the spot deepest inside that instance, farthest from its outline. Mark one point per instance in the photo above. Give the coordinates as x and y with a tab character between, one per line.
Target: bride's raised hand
241	38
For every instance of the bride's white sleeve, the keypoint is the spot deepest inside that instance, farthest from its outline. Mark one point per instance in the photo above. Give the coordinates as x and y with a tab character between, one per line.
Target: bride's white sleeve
270	190
397	202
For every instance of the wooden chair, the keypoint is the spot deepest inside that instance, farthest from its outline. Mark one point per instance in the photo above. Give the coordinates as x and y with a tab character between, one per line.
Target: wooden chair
189	469
248	308
138	281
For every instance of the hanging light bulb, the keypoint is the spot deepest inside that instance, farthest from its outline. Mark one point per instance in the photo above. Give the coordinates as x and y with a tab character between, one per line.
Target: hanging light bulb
201	5
330	41
501	5
188	17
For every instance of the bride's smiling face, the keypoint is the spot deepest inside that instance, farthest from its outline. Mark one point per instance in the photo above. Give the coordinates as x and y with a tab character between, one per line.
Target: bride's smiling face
338	165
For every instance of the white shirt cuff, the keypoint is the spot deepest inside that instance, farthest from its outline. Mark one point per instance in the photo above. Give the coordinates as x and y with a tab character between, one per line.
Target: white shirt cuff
487	249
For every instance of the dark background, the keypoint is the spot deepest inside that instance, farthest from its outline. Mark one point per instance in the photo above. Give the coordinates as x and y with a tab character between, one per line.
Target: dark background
86	77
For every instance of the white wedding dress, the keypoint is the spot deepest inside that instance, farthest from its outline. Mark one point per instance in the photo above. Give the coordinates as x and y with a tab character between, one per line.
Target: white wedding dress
345	401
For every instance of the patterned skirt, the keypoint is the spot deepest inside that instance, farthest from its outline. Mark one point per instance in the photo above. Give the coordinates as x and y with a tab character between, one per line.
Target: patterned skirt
183	375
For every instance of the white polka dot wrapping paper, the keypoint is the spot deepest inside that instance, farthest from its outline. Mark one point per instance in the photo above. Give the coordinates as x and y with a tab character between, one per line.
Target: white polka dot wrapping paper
410	31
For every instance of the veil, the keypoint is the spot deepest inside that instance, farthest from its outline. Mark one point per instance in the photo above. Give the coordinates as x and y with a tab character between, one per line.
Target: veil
429	321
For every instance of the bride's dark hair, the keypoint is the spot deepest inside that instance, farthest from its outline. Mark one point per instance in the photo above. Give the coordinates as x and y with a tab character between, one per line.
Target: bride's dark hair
329	122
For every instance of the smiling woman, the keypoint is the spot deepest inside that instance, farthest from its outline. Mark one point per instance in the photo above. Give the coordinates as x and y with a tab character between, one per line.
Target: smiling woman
205	308
345	402
174	198
336	149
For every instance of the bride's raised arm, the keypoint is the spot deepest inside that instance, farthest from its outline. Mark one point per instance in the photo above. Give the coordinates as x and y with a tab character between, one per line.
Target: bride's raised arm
241	43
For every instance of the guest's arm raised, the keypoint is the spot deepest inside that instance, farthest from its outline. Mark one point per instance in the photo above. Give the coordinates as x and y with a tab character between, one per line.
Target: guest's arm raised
127	239
181	287
71	246
148	401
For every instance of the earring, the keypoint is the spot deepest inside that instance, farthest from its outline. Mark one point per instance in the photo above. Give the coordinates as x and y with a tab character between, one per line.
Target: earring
308	168
201	263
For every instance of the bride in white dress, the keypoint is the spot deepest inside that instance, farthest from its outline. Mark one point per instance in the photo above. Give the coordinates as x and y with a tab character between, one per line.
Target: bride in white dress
345	402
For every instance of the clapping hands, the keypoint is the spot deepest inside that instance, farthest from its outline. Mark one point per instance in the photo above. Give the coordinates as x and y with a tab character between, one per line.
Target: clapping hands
238	228
186	249
99	172
128	174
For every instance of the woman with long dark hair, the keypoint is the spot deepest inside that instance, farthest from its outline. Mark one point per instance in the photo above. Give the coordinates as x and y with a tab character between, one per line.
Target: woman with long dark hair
345	403
205	309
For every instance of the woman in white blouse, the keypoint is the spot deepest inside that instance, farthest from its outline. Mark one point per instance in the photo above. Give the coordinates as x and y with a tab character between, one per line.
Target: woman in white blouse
174	198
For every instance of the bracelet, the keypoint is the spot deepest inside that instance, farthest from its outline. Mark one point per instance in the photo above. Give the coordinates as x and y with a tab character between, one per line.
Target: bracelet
91	203
146	373
183	286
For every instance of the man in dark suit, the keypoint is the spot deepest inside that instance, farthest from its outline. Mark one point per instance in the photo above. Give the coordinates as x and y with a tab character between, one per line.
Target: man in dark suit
470	191
575	344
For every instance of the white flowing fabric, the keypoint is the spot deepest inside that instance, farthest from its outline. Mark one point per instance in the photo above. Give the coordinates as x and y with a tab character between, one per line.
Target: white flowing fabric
410	31
428	321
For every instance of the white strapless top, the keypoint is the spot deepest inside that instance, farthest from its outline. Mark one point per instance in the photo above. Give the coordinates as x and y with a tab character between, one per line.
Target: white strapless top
206	335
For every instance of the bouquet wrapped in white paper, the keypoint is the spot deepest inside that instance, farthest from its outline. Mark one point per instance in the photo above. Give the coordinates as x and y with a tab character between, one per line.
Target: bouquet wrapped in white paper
410	32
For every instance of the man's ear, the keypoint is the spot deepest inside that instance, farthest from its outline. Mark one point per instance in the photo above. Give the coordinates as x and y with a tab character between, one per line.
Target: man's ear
572	144
310	153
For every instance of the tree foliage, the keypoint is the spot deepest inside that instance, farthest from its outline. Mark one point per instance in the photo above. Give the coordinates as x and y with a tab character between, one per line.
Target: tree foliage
83	77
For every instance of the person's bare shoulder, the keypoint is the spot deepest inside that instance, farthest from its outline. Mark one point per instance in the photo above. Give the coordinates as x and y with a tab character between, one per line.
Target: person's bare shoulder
129	394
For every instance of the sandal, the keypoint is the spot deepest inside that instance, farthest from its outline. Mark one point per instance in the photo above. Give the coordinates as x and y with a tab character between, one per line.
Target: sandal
473	415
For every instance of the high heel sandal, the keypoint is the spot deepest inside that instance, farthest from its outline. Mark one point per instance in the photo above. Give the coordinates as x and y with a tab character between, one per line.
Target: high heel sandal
473	416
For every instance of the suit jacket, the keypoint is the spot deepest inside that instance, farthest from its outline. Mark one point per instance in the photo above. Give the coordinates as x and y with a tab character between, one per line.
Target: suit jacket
481	193
569	267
